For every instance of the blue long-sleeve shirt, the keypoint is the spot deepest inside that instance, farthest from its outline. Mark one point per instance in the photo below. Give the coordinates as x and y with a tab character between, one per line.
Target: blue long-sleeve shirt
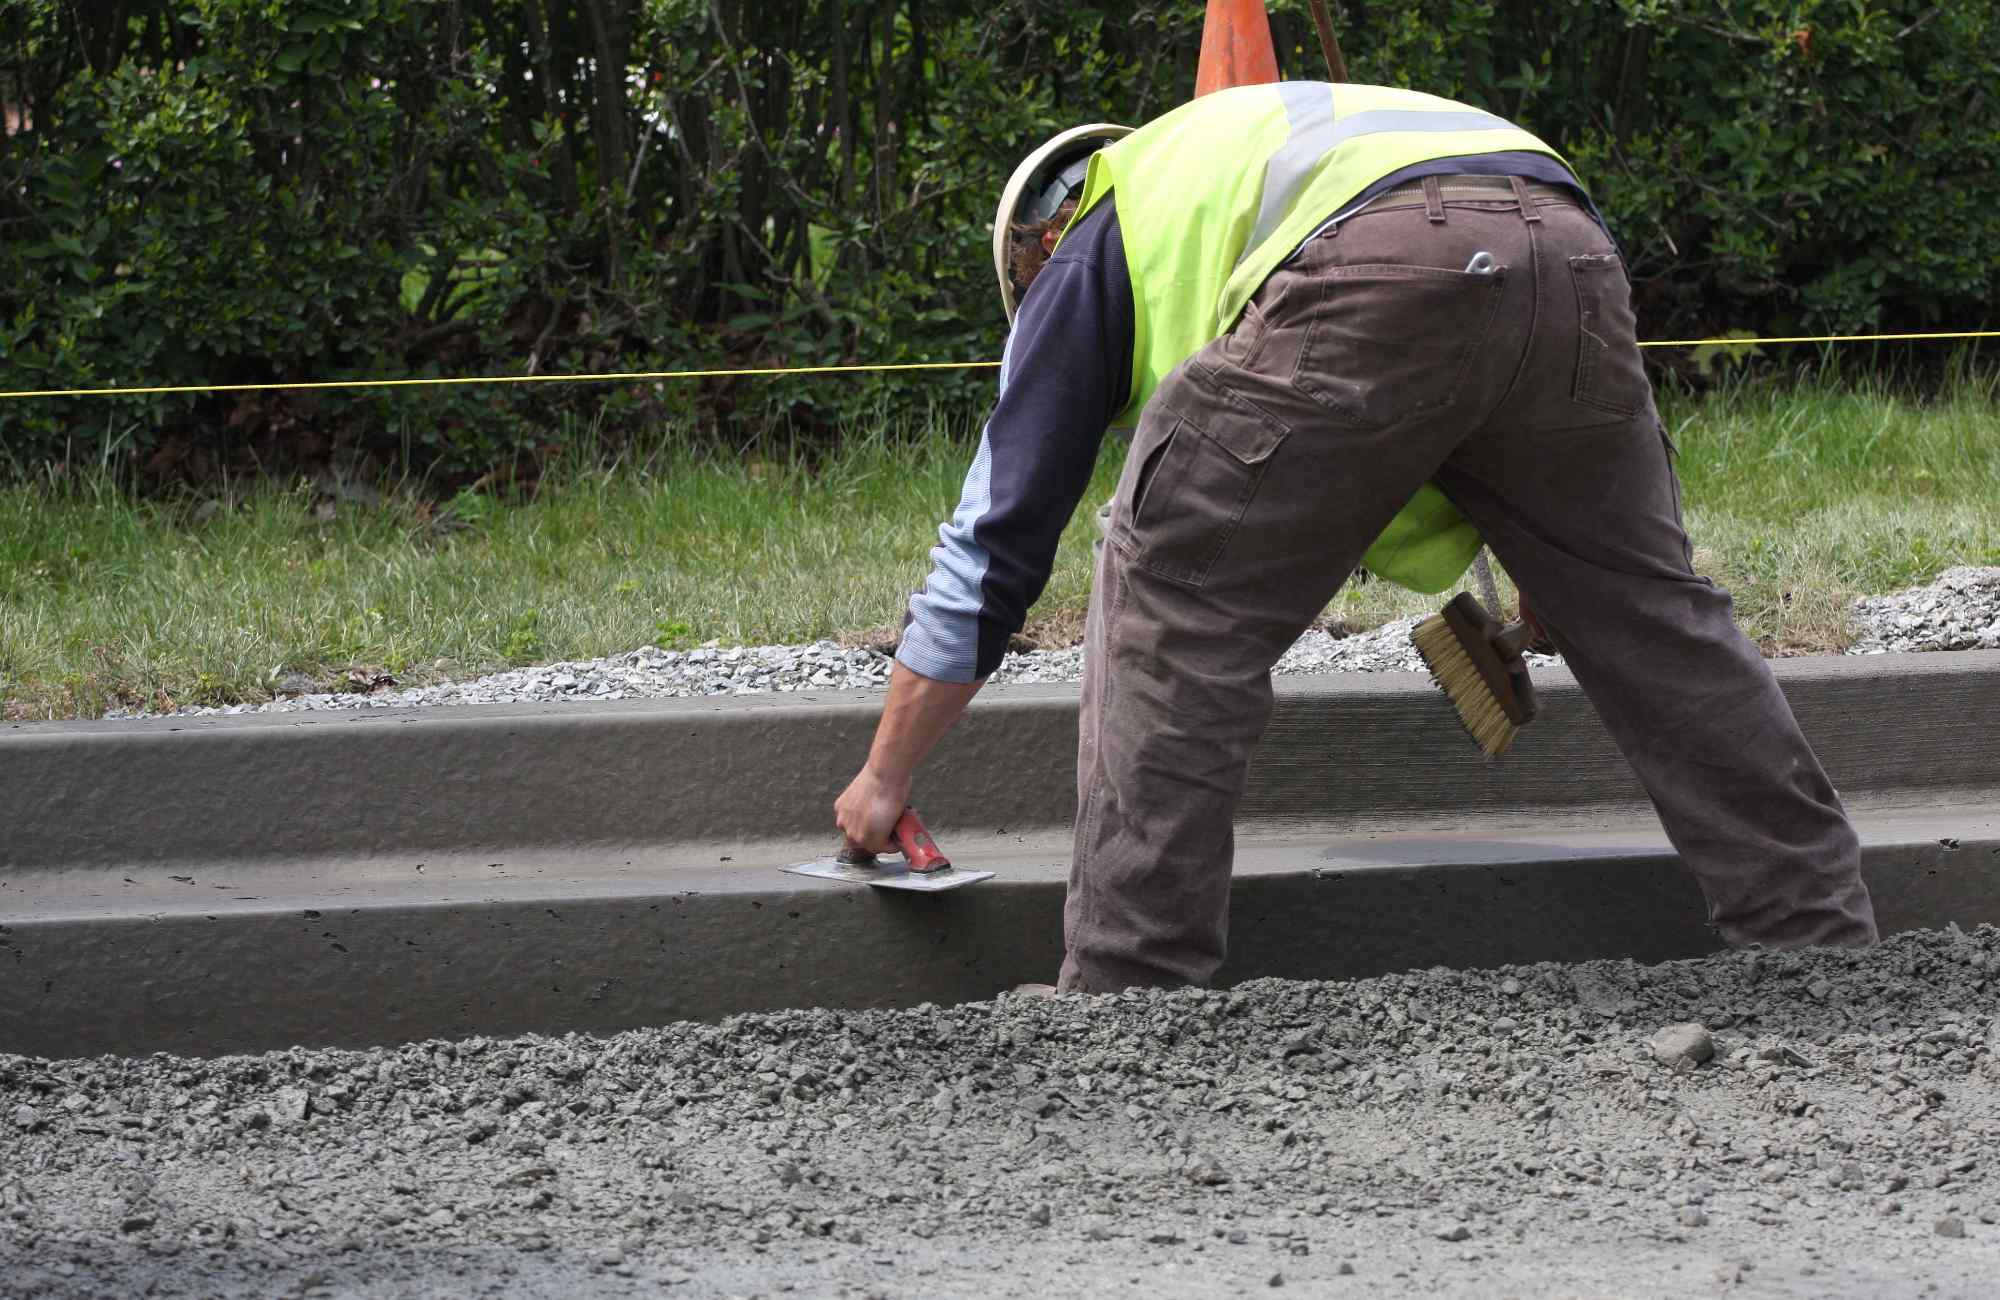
1064	376
1066	372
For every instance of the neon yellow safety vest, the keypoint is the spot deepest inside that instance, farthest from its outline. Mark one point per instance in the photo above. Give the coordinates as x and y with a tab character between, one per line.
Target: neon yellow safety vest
1202	231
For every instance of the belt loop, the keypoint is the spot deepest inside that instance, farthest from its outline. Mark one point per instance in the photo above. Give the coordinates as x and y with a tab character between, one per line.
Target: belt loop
1433	200
1528	211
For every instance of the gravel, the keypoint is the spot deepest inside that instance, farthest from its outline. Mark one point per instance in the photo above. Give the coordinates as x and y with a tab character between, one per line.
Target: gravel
1960	611
711	670
1435	1133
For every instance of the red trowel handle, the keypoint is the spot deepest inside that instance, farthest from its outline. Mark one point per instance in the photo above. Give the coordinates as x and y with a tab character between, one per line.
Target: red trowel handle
917	845
919	849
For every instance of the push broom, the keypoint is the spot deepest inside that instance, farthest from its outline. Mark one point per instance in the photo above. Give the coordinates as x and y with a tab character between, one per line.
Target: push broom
1477	663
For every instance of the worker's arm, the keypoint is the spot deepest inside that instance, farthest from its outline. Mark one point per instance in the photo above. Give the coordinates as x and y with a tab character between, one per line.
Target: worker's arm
1066	372
919	711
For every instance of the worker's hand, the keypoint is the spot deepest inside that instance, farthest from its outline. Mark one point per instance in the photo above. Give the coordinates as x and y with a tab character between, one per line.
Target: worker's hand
913	717
867	811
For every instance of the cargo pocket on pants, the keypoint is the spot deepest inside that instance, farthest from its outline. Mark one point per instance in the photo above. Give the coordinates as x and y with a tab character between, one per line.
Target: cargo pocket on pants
1186	492
1672	454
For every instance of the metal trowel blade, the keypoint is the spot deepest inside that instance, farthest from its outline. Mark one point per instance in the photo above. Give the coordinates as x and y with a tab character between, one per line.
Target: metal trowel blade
890	871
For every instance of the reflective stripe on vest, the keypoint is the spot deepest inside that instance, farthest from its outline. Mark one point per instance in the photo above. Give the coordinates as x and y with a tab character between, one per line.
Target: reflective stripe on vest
1315	132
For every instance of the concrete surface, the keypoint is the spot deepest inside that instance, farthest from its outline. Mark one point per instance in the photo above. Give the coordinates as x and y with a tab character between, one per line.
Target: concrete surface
211	885
1357	751
251	957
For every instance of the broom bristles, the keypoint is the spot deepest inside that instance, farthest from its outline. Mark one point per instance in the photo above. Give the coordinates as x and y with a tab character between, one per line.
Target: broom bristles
1452	669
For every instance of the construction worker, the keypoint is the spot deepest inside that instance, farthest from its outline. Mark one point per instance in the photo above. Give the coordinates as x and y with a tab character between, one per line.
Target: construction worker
1349	321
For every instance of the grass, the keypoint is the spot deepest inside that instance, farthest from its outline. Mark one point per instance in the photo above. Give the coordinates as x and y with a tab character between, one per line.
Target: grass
1798	498
105	600
1807	498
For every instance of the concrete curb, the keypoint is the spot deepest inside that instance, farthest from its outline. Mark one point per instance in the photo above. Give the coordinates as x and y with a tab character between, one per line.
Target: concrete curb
620	910
393	971
1355	750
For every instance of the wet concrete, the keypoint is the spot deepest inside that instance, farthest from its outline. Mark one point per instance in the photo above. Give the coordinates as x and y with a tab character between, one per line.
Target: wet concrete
1453	1133
256	956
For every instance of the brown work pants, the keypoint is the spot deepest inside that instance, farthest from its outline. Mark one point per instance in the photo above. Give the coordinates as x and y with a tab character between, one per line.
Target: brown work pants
1267	464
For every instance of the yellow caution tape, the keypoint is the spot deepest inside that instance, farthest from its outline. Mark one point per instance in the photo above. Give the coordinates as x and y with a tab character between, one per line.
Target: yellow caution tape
644	375
1808	338
612	377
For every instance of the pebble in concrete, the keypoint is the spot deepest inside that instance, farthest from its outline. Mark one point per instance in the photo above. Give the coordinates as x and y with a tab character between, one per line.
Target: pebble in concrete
1677	1044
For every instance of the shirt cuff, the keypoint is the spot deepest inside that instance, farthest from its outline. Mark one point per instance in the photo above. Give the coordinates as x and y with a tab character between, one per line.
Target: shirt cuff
918	654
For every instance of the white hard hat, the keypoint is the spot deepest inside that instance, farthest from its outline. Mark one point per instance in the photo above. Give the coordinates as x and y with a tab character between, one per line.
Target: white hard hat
1040	185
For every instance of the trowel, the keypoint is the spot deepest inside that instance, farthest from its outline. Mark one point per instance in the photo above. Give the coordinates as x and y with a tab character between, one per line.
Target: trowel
918	865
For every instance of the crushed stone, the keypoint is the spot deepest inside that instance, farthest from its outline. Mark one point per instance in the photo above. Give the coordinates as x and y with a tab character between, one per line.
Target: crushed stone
713	670
1960	611
1434	1133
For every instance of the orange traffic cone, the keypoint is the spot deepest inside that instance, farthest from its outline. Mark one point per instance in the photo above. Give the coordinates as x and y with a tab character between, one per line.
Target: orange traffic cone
1236	47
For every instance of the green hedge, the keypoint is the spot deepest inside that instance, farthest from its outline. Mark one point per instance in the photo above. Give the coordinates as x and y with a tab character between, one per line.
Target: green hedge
251	190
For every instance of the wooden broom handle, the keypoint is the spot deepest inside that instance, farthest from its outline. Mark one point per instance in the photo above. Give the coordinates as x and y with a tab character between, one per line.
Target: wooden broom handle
1328	44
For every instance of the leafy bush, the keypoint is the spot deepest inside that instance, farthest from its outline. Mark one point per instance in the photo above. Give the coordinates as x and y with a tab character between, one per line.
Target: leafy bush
244	191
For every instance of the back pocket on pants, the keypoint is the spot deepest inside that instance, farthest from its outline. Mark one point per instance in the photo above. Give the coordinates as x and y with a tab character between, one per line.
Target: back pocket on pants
1389	343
